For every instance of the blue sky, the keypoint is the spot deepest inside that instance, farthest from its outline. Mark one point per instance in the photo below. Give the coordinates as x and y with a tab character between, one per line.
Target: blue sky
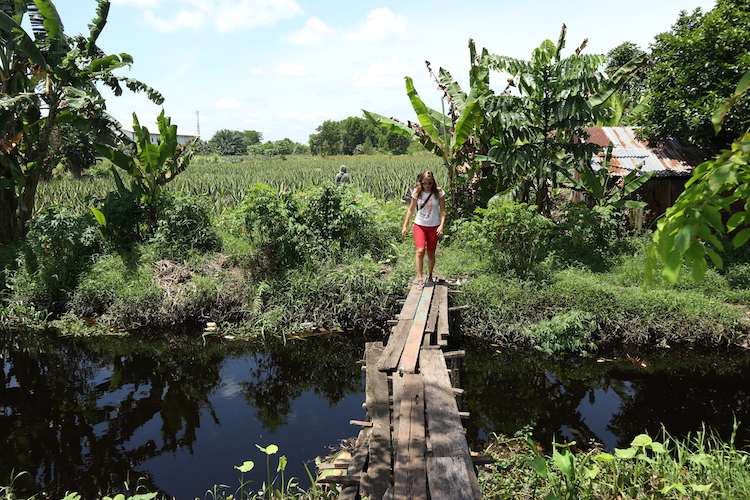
282	67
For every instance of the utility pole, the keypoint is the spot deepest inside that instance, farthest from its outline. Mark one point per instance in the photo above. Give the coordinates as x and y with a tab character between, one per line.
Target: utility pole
198	123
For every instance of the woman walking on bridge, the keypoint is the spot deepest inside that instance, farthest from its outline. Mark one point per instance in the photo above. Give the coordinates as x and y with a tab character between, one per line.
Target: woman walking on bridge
429	202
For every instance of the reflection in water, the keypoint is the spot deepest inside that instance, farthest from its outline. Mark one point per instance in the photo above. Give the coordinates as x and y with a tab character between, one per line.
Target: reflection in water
609	399
91	415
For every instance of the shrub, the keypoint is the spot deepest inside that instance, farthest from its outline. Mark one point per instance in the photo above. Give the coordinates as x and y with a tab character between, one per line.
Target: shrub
569	332
58	248
320	224
184	225
512	236
124	215
589	236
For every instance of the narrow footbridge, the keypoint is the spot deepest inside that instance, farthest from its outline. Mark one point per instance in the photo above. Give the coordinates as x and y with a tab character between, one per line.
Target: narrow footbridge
412	444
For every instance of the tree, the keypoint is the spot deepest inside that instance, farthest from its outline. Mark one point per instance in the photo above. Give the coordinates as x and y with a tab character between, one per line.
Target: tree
633	91
394	143
153	165
538	133
450	135
695	68
46	81
693	228
252	137
228	143
327	141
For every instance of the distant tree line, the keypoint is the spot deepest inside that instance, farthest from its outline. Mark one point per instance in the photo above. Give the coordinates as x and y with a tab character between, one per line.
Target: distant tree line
355	135
248	142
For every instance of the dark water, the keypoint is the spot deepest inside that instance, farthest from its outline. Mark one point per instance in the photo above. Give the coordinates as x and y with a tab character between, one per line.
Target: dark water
177	415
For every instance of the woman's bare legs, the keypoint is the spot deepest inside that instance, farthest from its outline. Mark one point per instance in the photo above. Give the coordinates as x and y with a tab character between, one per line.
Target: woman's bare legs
420	263
430	262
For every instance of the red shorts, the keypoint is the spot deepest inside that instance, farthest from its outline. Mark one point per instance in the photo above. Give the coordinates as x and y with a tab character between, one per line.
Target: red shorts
425	237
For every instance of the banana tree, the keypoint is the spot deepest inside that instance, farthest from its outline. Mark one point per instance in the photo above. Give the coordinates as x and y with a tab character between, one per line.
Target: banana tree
154	164
450	135
557	97
604	189
45	80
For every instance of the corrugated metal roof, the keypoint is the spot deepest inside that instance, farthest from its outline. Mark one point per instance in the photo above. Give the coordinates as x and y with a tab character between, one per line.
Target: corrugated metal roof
672	158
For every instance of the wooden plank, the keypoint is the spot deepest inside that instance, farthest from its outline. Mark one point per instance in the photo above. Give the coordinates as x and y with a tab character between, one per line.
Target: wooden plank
410	304
376	479
448	478
409	474
442	305
431	327
408	362
392	353
444	426
356	465
397	386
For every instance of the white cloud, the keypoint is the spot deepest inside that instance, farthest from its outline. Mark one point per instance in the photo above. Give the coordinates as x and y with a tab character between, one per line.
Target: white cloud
258	72
382	74
313	33
137	3
316	117
244	14
291	70
225	15
183	20
382	24
229	103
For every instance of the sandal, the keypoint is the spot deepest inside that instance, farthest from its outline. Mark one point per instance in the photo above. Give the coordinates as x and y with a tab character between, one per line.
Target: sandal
420	284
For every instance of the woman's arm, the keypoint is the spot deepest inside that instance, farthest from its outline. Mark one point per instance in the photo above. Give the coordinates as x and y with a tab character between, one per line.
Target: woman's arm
442	217
409	213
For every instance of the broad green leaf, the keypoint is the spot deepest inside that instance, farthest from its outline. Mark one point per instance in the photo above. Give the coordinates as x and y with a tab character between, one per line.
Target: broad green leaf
23	40
641	440
100	218
604	457
699	268
539	464
268	450
736	220
564	461
246	466
626	453
391	124
741	237
715	258
684	238
718	117
672	265
422	112
701	488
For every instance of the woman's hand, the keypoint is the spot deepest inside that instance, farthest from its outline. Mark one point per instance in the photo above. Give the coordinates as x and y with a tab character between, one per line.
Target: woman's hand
440	231
403	231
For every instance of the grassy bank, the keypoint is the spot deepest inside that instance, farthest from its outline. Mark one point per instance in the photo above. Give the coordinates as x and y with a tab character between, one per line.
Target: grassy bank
269	259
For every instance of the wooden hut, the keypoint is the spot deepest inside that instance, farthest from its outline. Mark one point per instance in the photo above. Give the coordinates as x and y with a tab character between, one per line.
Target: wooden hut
673	162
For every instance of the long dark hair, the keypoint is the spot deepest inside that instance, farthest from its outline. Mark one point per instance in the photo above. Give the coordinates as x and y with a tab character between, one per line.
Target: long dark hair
427	174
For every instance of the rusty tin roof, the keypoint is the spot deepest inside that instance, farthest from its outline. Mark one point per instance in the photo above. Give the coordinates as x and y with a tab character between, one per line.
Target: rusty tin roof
673	158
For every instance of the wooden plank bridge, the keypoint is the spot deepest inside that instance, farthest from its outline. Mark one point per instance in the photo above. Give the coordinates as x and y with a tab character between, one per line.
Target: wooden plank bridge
413	444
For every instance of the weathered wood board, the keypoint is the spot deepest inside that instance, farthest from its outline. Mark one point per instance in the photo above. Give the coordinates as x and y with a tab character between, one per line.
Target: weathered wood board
446	434
377	477
409	475
392	353
410	356
442	315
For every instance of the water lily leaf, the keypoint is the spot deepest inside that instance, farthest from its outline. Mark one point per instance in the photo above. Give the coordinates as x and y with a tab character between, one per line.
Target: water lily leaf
641	440
246	466
626	453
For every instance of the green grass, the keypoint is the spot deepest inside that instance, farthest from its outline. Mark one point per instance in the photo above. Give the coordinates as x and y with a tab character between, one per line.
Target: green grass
698	466
226	179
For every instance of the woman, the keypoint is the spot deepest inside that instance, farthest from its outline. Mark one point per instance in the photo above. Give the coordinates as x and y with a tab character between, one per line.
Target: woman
429	202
